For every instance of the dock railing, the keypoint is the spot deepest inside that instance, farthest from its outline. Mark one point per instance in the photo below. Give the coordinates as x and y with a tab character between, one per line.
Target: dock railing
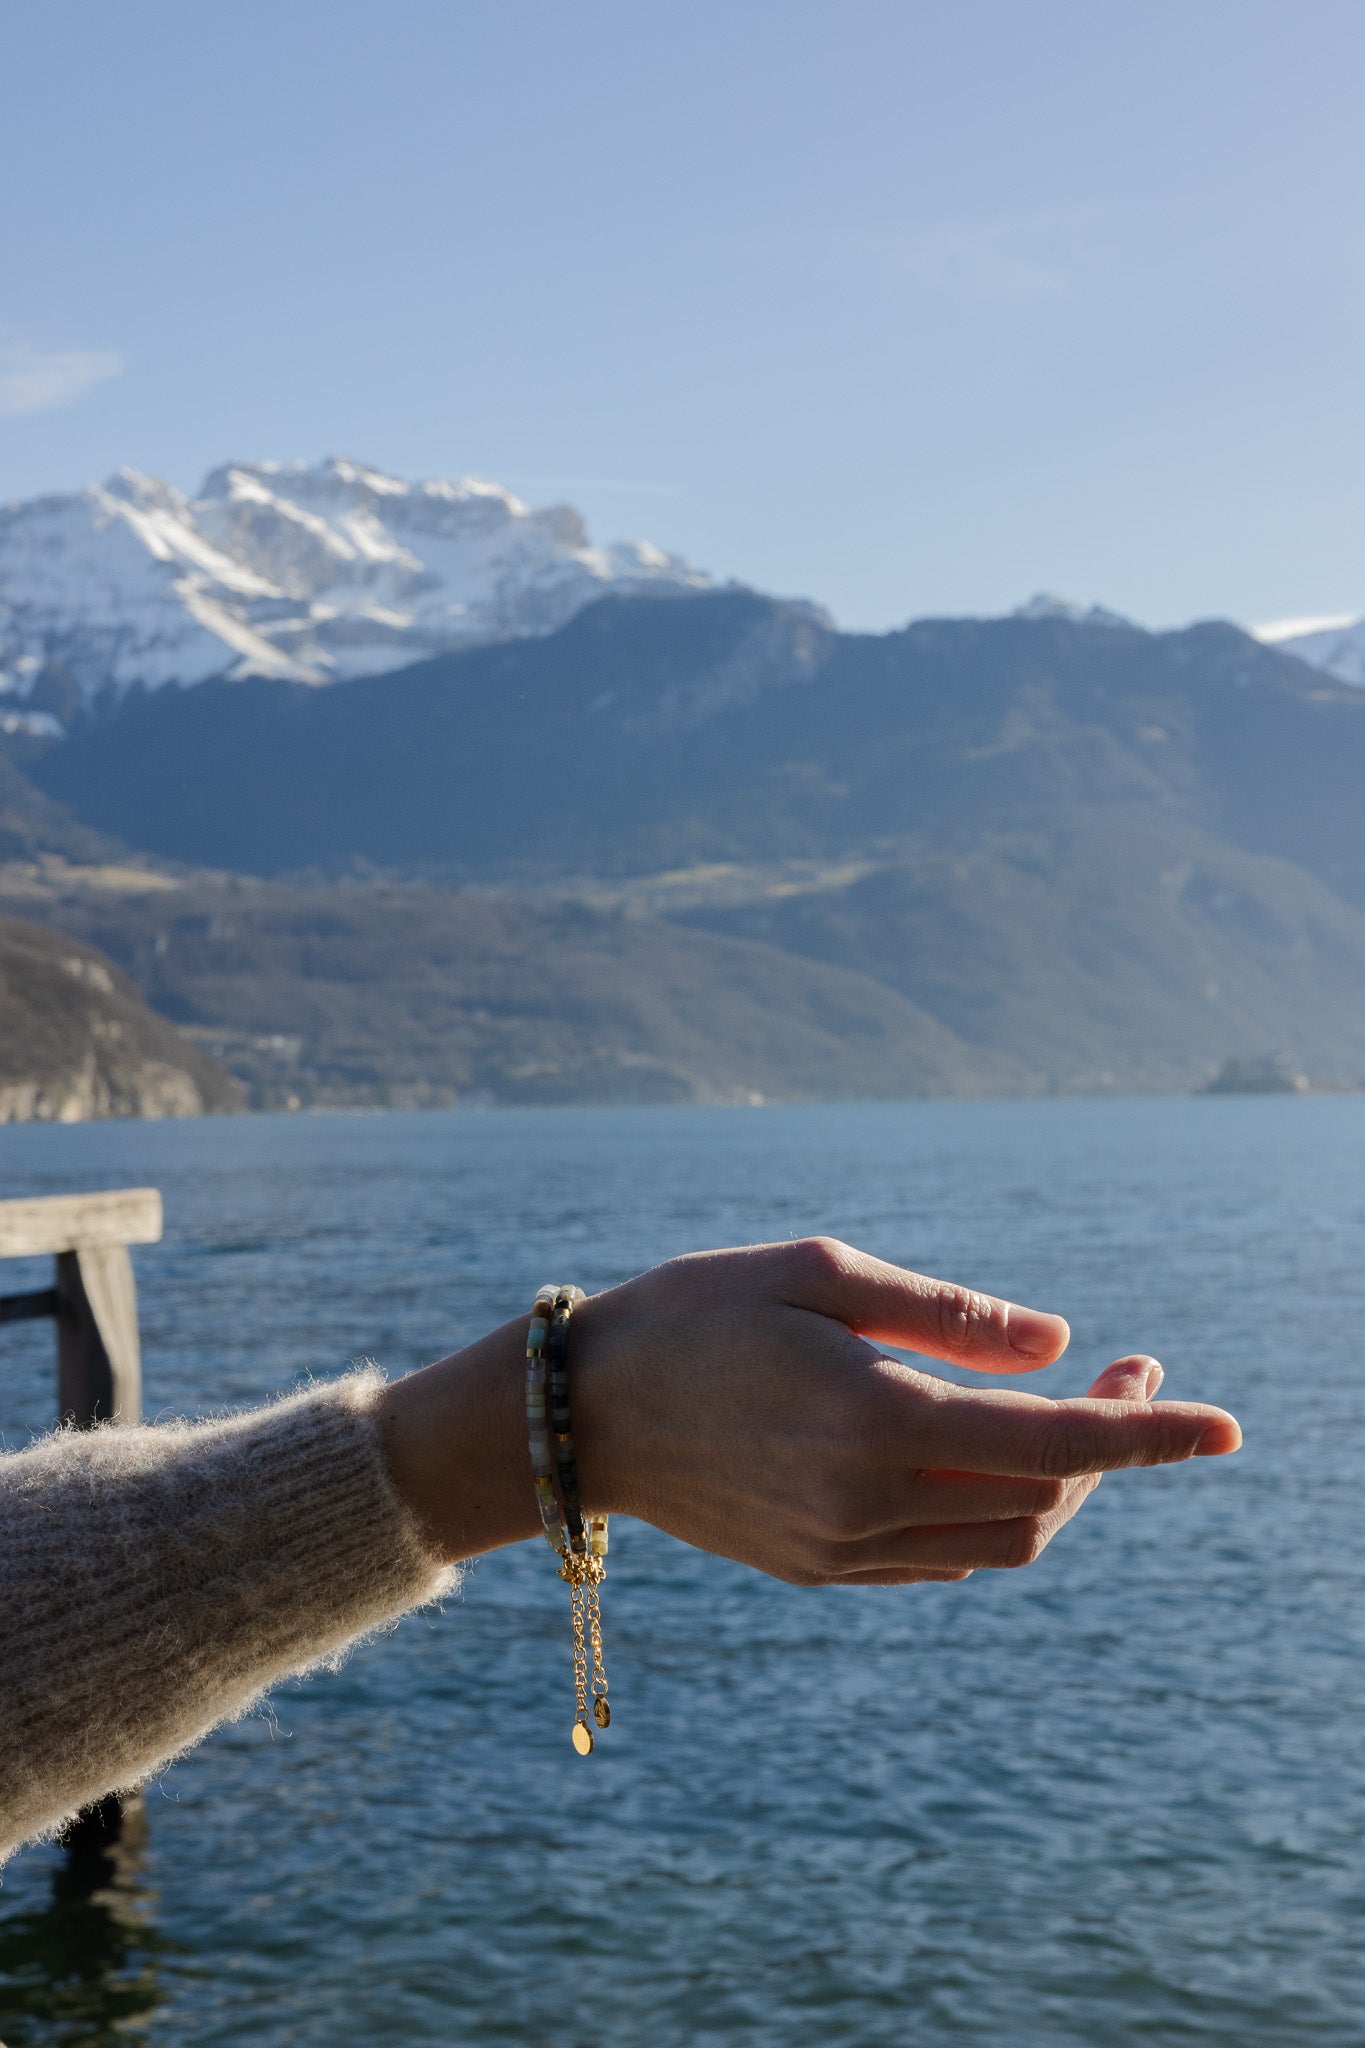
93	1302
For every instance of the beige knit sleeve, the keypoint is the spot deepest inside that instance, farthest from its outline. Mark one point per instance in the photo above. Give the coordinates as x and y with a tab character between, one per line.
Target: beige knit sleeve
154	1581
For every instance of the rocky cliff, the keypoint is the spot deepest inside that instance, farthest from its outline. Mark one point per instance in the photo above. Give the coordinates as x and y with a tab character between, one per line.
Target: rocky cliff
77	1041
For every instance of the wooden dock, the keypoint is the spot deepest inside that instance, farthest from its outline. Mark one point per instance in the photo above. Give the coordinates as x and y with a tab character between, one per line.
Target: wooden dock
93	1302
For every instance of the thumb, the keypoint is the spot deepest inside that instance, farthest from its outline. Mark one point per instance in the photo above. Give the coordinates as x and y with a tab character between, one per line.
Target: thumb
1129	1379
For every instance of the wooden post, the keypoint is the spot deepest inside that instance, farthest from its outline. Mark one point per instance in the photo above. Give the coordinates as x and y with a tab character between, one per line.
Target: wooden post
99	1367
99	1364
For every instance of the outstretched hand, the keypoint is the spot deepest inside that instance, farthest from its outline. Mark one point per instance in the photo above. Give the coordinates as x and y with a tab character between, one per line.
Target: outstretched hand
739	1400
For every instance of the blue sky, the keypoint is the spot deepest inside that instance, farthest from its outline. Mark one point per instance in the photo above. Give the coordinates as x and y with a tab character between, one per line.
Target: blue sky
910	308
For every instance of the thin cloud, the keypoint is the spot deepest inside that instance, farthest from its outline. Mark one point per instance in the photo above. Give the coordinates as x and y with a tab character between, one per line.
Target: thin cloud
998	260
989	261
34	380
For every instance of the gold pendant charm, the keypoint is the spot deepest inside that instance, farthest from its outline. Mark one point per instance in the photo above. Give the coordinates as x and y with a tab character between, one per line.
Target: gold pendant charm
601	1713
582	1738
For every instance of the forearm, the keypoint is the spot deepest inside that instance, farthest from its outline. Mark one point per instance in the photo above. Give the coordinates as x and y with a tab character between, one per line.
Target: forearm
156	1580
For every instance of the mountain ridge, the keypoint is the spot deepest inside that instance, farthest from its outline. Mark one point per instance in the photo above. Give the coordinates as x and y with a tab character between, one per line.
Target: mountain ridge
311	572
300	571
729	727
1072	856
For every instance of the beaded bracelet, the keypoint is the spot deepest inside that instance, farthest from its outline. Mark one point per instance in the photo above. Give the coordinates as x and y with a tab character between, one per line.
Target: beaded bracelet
542	1472
561	1436
579	1542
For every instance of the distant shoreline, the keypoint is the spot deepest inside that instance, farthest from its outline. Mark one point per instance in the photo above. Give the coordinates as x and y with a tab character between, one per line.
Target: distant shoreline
315	1110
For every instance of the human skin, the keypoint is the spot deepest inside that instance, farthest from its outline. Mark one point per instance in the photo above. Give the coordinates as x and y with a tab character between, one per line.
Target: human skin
738	1399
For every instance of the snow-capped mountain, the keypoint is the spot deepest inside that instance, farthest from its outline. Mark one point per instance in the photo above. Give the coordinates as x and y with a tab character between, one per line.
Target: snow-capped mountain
1334	644
310	572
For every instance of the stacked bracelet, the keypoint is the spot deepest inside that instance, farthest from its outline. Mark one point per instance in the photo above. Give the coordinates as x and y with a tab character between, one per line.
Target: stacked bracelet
579	1542
537	1423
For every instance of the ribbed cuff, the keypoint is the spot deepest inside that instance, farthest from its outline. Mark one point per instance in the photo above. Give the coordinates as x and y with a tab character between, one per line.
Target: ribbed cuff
157	1580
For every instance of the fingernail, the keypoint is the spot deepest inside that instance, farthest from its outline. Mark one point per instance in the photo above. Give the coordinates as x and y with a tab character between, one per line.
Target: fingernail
1219	1438
1156	1373
1034	1335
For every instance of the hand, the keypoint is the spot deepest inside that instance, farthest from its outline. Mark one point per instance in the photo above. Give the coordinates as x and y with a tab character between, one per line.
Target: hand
732	1399
726	1398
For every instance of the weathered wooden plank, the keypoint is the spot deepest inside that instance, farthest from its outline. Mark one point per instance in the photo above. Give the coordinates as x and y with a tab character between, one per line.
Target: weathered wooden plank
62	1223
99	1361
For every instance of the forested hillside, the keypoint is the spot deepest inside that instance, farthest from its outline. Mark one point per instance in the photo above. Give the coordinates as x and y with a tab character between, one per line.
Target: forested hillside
732	852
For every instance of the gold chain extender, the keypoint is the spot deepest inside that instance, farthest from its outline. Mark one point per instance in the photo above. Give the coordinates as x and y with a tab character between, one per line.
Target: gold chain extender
579	1541
583	1576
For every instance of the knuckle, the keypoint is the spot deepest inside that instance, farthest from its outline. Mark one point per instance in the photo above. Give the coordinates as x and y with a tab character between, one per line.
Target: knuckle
1025	1544
822	1557
846	1424
818	1259
837	1522
1069	1447
1051	1496
1169	1443
840	1516
865	1427
963	1316
798	1575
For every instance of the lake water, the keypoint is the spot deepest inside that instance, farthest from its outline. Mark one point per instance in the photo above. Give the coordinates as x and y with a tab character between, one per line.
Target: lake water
1118	1798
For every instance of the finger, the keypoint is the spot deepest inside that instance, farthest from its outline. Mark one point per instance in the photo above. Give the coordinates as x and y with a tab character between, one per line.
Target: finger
967	1546
1129	1379
890	1305
937	1499
987	1431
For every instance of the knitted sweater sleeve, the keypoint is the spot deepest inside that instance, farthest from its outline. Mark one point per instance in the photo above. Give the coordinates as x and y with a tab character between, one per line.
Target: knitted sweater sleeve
154	1581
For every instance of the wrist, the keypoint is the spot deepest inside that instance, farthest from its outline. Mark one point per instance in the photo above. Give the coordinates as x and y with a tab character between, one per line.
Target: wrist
599	1373
454	1443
